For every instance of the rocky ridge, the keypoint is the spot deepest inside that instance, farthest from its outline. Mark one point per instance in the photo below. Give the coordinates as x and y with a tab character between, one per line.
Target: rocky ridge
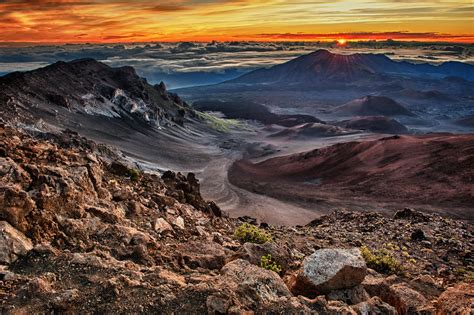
89	87
85	231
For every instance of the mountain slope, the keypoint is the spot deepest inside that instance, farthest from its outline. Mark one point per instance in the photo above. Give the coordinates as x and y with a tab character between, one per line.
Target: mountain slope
431	169
90	87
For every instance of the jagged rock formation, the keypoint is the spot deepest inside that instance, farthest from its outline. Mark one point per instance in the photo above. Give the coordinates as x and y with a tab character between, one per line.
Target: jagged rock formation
89	87
83	231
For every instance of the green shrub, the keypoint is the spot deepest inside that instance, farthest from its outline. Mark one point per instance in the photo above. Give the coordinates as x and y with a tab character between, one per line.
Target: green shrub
250	233
267	262
133	174
381	261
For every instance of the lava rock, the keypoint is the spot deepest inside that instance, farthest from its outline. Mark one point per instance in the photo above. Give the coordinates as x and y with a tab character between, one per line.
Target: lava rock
329	269
13	243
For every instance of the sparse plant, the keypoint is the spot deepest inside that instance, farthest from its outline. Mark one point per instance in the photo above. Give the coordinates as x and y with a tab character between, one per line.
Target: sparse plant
381	261
250	233
133	174
267	262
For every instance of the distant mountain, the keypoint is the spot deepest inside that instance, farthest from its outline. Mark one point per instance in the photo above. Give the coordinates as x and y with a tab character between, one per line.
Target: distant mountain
89	87
372	106
323	66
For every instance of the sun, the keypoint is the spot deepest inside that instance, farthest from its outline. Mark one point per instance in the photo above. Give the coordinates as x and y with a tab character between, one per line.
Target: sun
341	42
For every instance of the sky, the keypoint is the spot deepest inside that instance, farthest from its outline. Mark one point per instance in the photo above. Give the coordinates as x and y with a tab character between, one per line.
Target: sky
111	21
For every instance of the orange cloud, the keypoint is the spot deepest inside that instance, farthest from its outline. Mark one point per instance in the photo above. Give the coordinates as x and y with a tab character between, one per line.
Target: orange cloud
70	21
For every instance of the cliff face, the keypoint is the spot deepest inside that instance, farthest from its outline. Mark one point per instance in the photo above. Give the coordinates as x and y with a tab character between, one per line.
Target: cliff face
82	231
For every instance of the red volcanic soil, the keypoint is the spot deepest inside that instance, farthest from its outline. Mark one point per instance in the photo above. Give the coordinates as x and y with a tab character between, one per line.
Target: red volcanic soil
434	170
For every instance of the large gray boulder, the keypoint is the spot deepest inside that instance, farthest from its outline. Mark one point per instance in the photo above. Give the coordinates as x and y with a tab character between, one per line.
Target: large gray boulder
329	269
13	243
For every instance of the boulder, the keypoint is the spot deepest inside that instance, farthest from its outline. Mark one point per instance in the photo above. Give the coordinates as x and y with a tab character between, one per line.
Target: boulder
13	243
253	253
243	286
457	300
203	254
407	301
329	269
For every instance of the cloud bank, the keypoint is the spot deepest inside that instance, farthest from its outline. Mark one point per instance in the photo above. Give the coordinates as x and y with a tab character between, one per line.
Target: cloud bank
189	63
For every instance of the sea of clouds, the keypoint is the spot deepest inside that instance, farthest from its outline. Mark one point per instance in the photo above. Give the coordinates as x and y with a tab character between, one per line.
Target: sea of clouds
188	64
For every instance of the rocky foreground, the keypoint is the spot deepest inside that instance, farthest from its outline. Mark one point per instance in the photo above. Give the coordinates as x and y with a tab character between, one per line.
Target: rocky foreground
84	231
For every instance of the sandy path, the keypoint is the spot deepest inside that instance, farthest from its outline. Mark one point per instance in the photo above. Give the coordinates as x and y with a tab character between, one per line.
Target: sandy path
239	202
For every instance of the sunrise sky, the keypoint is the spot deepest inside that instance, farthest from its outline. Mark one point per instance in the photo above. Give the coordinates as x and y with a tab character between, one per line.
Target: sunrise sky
76	21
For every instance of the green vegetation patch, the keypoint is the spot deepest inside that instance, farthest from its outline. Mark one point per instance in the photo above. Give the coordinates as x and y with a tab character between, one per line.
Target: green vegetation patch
267	262
250	233
221	124
381	261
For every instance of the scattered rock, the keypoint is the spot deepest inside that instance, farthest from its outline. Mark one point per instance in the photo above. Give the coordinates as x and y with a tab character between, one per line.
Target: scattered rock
349	296
374	306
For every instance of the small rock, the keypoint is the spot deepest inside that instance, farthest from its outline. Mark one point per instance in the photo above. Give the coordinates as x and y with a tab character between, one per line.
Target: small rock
426	244
179	222
161	225
418	235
